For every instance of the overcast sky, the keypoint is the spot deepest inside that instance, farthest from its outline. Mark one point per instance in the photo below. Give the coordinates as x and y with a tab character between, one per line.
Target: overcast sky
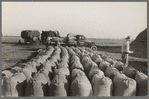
92	19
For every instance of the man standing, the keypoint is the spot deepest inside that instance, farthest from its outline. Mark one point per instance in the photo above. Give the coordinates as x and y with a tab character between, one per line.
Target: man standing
125	50
35	40
58	43
48	41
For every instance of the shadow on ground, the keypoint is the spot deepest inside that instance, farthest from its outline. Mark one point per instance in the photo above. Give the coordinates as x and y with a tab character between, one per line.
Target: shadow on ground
110	49
29	49
33	54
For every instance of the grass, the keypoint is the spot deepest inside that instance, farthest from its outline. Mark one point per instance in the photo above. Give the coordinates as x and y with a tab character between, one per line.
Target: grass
106	42
11	39
12	52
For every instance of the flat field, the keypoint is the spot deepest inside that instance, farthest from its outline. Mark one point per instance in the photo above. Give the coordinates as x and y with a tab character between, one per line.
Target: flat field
13	53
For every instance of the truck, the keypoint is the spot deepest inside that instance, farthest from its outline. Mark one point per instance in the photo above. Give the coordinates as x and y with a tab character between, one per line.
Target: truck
74	40
80	41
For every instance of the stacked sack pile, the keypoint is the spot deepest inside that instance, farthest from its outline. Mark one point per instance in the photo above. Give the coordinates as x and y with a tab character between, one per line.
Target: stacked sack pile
72	71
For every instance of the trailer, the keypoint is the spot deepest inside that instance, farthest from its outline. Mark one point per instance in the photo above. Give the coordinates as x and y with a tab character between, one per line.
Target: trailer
31	36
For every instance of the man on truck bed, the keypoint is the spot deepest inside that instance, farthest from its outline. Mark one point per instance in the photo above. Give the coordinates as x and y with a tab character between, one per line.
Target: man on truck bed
125	50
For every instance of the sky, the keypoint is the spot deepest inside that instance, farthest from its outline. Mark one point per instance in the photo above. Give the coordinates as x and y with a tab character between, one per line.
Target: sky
92	19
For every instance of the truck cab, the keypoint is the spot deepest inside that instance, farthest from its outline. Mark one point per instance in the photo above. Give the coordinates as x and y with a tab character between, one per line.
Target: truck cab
81	41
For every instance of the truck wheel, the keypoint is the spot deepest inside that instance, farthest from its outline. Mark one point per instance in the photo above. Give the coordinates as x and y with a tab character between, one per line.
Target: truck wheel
94	48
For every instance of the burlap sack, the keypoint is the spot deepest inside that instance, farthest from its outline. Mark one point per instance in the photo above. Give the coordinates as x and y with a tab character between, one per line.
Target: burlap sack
142	84
129	71
102	86
123	86
111	72
34	88
81	86
14	86
76	72
119	65
103	65
94	70
59	86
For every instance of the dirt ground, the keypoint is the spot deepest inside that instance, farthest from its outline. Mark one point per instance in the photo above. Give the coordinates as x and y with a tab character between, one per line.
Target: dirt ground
12	53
